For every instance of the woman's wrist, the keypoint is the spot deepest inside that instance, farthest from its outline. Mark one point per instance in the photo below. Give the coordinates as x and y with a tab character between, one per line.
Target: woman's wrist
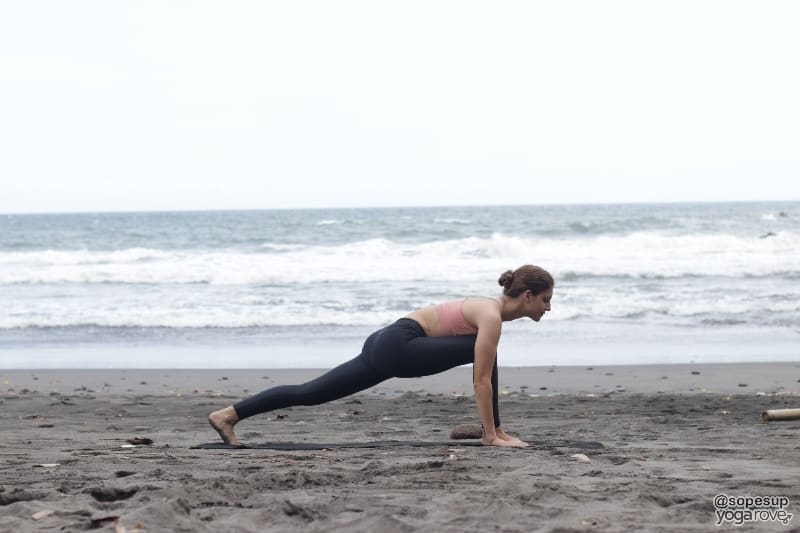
490	435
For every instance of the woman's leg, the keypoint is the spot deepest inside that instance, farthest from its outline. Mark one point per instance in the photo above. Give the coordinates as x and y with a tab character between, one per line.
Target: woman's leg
346	379
425	356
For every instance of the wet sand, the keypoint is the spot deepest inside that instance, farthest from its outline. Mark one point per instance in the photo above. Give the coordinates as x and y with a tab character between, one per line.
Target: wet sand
675	436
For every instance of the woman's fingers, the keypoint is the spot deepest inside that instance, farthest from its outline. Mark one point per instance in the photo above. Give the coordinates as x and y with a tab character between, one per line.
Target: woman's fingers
516	443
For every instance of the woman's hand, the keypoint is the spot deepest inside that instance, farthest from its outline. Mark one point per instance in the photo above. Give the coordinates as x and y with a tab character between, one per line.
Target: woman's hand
502	435
501	438
497	441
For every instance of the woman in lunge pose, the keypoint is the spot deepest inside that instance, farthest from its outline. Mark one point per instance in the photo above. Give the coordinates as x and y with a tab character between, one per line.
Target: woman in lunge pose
425	342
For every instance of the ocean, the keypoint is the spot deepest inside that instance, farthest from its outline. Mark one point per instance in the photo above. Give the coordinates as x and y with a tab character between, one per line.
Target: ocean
635	283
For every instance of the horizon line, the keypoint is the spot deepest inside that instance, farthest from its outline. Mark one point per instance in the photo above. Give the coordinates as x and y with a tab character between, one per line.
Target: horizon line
370	207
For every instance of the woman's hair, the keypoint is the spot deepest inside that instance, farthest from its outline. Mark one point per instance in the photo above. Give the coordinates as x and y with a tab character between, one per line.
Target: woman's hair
525	278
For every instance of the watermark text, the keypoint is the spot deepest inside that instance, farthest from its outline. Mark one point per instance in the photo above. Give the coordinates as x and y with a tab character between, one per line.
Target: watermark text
740	510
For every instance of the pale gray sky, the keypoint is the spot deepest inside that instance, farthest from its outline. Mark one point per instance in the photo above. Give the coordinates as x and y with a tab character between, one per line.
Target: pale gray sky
108	106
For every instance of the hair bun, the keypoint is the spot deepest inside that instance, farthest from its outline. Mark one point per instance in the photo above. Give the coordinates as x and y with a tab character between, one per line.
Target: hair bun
506	278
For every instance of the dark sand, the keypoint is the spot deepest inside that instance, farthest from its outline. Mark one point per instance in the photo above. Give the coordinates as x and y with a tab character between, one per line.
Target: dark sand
667	454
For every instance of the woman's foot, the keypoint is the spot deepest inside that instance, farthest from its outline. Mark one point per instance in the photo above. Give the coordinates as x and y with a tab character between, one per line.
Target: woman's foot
223	421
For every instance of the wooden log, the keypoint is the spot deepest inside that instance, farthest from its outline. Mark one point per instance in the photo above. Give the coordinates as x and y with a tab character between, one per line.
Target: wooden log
780	414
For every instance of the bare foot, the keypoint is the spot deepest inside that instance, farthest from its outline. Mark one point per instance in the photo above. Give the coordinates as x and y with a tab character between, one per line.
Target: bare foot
223	421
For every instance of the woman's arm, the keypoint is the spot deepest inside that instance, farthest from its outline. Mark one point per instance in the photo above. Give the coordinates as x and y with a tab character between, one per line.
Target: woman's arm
485	356
496	410
489	326
495	394
495	388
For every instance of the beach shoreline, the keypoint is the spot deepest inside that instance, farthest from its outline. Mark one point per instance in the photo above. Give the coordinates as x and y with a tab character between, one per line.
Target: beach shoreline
721	378
67	464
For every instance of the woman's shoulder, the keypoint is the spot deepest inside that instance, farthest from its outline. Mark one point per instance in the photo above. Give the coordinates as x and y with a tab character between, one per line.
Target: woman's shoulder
475	307
482	300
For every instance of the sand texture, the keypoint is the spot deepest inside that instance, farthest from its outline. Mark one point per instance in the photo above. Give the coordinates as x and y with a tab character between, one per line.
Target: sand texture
67	465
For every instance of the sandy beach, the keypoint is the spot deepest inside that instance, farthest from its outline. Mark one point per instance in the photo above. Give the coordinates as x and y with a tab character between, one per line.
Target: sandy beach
674	438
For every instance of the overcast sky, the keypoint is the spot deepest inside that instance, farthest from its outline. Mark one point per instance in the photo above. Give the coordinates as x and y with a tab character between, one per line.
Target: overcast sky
108	106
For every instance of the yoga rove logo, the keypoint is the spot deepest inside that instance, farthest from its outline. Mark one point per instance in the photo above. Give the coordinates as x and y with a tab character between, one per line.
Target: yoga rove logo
739	510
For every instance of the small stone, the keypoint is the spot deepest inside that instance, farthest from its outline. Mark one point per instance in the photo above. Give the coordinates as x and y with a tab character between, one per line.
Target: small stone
467	431
139	441
42	514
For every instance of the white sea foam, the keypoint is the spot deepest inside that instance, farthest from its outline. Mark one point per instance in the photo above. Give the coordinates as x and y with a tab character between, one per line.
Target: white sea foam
604	271
638	255
450	220
623	273
297	302
221	311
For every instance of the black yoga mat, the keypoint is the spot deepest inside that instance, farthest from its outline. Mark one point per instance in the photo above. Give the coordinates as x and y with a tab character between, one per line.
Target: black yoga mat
289	446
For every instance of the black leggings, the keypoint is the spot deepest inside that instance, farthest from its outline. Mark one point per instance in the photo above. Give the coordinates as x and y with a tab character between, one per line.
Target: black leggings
400	350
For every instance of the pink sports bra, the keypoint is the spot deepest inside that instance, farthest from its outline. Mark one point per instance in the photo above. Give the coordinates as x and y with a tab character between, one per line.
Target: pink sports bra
451	319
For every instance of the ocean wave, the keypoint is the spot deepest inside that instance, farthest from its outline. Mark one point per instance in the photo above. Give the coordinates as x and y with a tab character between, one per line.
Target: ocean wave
204	308
722	322
48	326
775	216
451	220
638	255
180	319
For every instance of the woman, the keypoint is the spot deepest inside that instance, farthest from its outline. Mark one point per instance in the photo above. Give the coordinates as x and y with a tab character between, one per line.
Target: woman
425	342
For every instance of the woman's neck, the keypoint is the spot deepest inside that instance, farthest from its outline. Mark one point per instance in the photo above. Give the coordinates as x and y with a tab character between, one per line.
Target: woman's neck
510	308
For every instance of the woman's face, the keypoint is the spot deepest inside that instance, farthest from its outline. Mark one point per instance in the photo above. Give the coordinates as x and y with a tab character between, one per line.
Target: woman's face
538	304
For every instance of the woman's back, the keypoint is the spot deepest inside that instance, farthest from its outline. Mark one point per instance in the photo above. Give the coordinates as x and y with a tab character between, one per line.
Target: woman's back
455	317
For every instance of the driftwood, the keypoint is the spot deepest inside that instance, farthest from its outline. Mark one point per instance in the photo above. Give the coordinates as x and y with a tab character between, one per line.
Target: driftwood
780	414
